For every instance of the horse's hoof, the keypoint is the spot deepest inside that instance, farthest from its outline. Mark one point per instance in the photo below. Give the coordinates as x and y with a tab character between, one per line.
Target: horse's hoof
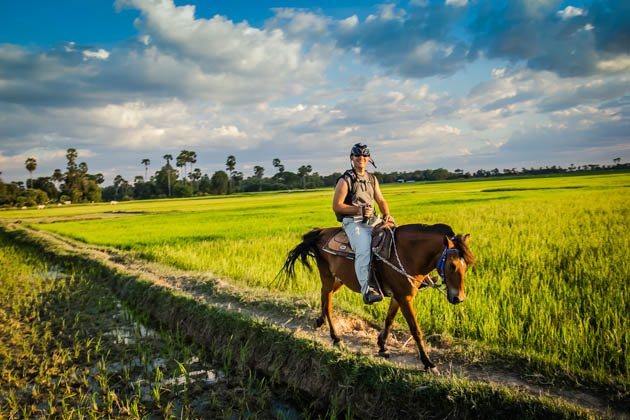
318	322
336	341
383	354
433	370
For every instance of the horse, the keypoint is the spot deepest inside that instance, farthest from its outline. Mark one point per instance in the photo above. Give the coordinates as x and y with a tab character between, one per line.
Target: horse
417	250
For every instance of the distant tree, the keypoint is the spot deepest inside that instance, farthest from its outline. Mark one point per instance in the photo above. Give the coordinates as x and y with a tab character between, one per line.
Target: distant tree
162	180
180	162
146	162
192	159
31	165
57	177
617	161
303	171
219	183
168	159
119	182
195	176
44	183
98	178
204	184
71	156
259	171
277	164
230	165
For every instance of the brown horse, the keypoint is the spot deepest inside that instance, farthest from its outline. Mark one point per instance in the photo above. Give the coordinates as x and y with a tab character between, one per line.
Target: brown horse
417	251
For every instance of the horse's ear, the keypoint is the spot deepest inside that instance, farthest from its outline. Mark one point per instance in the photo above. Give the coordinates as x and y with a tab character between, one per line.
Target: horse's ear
467	238
448	243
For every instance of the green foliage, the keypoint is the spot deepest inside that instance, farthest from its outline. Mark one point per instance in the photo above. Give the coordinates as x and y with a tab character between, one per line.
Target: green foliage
219	183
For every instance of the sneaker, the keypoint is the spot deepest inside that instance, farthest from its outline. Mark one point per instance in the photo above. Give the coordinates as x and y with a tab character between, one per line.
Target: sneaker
372	296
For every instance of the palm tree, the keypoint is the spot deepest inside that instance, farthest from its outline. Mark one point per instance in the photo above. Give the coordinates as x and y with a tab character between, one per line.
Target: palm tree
195	176
31	165
146	162
303	171
276	164
118	182
230	164
168	159
191	158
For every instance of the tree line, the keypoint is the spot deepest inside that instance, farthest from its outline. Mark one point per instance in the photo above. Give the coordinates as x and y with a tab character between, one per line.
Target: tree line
77	185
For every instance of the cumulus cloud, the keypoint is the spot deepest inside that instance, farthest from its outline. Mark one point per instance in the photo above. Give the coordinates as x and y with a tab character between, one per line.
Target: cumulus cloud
570	12
438	38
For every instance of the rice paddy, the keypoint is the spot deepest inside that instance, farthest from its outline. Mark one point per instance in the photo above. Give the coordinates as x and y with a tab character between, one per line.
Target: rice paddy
70	349
551	280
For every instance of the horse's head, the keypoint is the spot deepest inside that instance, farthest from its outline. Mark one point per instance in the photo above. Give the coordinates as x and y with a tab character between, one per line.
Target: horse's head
457	259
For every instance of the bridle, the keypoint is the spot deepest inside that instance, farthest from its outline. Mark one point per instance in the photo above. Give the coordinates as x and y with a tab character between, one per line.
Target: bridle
439	286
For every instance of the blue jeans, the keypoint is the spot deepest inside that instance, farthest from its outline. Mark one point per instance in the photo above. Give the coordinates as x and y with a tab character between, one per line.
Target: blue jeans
360	236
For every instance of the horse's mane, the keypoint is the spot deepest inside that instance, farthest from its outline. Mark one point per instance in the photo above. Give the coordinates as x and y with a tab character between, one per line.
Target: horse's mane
458	240
439	228
464	249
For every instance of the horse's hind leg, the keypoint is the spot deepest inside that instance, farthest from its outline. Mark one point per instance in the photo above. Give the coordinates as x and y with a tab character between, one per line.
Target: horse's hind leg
389	320
329	286
414	328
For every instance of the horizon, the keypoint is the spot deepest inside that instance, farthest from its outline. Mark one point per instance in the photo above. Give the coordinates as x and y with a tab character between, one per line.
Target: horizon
426	84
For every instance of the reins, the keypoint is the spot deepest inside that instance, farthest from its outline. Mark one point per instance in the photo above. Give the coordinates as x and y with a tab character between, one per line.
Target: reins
401	269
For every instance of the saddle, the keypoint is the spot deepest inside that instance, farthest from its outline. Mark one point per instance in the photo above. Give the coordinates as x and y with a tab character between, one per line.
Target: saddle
381	243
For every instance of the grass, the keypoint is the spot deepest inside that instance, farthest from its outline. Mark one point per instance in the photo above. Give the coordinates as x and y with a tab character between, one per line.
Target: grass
69	349
550	283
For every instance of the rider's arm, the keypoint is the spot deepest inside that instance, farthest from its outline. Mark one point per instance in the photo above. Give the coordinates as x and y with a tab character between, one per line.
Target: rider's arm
341	191
380	200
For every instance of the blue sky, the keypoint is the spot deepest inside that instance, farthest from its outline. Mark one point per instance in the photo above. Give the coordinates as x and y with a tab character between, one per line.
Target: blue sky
426	84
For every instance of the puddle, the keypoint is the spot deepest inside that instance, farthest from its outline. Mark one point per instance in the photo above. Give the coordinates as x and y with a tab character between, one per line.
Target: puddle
194	372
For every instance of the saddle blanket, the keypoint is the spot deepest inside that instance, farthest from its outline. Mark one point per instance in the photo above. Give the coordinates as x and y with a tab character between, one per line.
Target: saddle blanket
340	245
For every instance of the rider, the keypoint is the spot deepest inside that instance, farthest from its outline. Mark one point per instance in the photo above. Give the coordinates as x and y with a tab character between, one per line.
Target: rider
353	204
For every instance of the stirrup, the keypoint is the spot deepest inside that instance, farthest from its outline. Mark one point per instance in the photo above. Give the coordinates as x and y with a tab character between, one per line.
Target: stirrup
371	296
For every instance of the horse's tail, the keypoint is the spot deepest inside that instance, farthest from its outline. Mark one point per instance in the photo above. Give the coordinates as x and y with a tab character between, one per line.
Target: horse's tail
303	250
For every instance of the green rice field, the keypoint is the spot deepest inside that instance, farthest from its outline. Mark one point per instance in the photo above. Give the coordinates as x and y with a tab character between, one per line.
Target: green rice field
551	281
70	349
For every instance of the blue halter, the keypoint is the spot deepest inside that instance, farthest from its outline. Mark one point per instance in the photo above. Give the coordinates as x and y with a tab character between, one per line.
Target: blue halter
442	262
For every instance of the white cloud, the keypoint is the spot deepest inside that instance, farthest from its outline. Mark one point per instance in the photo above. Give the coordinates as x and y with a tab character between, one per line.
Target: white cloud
456	3
619	64
217	44
100	54
571	12
228	131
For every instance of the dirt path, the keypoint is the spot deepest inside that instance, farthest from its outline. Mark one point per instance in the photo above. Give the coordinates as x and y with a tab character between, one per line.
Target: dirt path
358	335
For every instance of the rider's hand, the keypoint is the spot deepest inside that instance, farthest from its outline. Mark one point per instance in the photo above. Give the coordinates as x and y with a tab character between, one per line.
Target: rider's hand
387	218
368	211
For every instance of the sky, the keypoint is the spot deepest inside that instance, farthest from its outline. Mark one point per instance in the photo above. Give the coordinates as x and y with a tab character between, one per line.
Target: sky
457	84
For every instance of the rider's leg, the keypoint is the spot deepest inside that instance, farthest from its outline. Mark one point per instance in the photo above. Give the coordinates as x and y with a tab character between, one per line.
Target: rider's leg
360	237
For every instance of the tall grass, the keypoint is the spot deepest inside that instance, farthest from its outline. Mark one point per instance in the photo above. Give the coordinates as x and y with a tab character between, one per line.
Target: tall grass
551	279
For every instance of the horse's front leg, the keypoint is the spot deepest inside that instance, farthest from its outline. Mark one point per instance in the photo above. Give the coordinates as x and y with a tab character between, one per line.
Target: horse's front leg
382	337
407	310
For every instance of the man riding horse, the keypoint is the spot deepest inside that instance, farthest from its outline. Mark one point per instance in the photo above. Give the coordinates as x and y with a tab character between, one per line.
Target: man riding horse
405	261
353	204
